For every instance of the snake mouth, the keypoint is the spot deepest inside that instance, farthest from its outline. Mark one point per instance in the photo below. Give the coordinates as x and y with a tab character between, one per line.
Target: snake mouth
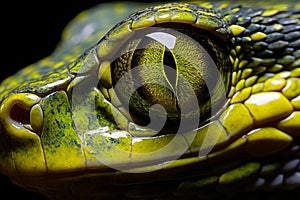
22	112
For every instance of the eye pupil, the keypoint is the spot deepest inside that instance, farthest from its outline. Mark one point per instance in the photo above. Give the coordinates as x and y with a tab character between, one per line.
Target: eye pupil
170	62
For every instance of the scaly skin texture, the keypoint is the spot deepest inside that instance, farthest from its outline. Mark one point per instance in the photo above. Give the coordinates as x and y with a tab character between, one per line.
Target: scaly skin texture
64	134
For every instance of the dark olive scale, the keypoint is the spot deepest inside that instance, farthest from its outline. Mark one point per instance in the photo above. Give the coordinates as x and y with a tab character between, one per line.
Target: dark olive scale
287	51
291	28
259	46
270	29
278	45
246	40
296	53
254	12
295	44
270	20
268	62
292	36
258	19
274	37
288	21
286	60
244	21
268	53
254	28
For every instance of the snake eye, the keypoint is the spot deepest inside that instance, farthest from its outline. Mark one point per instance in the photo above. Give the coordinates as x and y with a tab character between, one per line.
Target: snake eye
173	74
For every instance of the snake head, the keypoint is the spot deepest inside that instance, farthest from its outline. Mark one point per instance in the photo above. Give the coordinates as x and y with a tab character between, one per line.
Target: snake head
191	96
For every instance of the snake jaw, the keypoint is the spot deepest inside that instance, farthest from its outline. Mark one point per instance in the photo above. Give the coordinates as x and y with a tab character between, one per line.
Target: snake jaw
22	115
20	142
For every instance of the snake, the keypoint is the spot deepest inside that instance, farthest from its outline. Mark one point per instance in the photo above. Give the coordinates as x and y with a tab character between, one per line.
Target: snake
172	100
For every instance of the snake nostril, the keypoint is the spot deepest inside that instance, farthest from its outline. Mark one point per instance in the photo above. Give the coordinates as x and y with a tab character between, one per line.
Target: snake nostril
20	114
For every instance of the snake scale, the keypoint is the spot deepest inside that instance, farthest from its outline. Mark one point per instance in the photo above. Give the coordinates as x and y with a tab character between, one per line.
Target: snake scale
190	100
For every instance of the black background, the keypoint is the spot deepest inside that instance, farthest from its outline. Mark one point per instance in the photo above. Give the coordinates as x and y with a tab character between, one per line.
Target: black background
30	30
